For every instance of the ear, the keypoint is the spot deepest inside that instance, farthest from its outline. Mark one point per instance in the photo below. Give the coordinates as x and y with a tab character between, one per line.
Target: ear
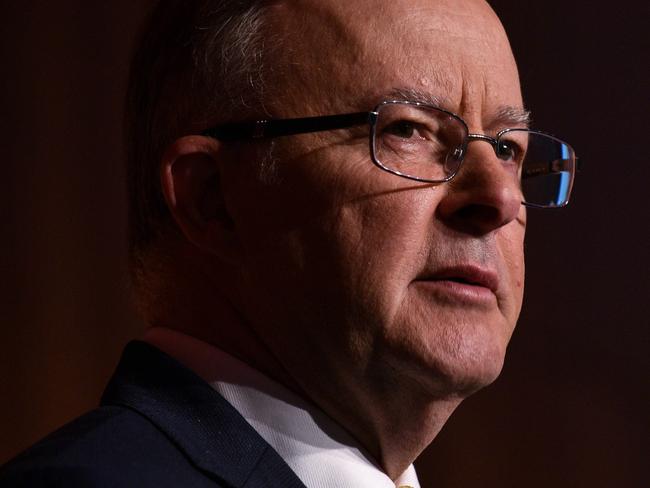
191	183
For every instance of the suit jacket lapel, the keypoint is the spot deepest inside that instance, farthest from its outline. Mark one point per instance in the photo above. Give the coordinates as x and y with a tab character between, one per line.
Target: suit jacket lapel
214	436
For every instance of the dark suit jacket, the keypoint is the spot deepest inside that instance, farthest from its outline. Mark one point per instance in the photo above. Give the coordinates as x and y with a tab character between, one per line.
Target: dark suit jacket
159	425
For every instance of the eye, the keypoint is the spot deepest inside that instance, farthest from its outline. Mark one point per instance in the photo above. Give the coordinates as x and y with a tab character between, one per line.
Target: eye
401	128
509	151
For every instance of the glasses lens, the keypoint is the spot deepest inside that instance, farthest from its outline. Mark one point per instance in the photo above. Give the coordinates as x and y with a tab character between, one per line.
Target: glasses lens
547	166
418	141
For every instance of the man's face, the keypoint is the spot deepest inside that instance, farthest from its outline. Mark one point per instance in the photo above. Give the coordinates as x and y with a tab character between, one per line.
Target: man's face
359	280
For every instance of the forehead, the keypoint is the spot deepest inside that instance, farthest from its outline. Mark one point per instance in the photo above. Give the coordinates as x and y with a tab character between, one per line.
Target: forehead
345	55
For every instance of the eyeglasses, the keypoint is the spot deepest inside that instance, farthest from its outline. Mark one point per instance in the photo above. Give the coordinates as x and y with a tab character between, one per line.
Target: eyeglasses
428	144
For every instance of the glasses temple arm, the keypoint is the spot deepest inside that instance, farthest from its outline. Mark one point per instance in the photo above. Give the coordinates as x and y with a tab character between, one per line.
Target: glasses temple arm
286	127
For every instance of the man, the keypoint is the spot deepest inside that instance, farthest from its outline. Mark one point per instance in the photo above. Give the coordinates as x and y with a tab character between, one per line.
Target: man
328	205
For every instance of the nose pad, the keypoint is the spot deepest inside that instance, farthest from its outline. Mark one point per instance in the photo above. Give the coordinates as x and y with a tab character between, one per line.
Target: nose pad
454	160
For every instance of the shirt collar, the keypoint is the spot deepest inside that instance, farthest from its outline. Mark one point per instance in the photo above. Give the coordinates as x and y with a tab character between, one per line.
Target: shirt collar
318	450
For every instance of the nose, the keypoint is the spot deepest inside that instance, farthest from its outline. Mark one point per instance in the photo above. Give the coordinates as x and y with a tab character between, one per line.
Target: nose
485	194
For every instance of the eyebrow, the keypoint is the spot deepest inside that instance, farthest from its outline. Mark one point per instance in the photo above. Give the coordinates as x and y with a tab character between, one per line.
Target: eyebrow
506	116
415	95
512	116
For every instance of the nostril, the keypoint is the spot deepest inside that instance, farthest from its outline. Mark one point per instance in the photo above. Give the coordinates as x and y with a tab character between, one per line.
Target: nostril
477	219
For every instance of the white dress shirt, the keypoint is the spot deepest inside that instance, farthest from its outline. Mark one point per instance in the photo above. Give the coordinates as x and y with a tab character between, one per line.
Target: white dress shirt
317	449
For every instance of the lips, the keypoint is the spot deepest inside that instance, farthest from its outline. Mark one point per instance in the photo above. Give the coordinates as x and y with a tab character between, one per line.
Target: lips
467	275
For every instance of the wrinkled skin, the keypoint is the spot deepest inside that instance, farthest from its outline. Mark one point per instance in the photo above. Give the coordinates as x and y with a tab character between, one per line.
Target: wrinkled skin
336	253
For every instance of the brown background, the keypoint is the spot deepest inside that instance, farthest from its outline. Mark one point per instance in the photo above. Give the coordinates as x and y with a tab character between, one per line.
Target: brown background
571	408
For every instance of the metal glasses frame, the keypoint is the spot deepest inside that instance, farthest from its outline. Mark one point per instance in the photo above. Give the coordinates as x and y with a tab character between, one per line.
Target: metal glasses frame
270	128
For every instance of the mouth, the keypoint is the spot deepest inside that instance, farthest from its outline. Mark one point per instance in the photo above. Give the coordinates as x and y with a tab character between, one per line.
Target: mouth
468	282
469	275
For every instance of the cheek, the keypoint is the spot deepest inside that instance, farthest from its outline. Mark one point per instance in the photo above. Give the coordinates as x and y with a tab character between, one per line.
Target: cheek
370	251
511	245
332	248
385	242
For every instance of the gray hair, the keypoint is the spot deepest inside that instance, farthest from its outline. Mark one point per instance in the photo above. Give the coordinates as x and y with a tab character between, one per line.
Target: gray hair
198	62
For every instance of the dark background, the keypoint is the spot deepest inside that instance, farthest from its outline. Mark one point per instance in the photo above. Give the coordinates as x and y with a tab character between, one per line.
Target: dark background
571	407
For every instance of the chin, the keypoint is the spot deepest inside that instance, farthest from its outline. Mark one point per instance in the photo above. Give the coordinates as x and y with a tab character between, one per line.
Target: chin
474	361
468	376
449	360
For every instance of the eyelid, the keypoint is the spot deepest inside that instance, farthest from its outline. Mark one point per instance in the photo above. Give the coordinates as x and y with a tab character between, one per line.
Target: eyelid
417	119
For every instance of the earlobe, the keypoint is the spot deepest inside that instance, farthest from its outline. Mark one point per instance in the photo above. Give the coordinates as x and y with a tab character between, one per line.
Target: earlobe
190	175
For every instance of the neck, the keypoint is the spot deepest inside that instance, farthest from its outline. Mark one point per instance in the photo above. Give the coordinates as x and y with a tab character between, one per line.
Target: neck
187	299
401	431
393	421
